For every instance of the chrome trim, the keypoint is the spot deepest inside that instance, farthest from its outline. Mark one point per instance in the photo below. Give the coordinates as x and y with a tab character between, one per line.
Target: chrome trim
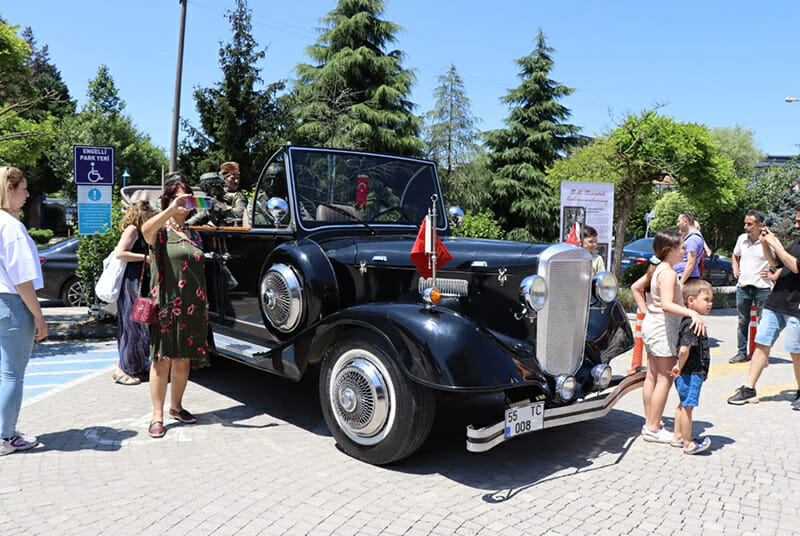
596	406
479	264
455	288
380	258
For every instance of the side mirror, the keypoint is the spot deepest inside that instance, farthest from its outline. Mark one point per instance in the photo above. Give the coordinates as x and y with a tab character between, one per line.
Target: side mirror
456	216
277	208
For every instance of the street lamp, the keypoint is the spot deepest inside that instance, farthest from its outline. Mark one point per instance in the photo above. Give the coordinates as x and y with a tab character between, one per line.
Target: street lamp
792	99
125	176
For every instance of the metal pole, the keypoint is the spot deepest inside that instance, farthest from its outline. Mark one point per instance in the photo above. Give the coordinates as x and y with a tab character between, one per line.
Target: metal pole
176	110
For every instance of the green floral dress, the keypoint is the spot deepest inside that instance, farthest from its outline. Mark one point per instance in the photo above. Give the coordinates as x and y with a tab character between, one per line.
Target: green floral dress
180	288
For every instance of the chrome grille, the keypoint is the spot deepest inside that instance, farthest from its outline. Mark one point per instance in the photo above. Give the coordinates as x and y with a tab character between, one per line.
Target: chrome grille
448	287
561	325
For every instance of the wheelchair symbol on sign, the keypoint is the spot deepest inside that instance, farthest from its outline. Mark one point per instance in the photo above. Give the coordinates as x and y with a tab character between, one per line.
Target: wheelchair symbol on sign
94	175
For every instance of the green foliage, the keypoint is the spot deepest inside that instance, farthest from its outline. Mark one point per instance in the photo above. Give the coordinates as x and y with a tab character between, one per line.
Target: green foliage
450	135
631	274
41	236
468	186
774	192
238	121
134	150
92	249
479	225
356	95
739	145
535	136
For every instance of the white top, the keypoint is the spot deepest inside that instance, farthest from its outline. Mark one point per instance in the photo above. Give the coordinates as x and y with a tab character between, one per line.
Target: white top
751	262
19	258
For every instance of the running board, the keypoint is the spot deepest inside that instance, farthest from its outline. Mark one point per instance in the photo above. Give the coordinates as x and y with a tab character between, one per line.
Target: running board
276	359
488	437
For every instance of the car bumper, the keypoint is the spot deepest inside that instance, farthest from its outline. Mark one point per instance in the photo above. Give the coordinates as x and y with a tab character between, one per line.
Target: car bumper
593	407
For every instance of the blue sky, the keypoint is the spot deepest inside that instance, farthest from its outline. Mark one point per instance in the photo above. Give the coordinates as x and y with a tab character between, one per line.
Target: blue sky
711	62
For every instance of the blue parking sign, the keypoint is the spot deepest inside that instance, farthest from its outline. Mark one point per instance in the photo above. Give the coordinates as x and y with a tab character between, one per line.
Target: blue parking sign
93	165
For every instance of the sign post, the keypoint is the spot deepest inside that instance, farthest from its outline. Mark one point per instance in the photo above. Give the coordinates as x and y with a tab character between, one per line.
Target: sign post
94	175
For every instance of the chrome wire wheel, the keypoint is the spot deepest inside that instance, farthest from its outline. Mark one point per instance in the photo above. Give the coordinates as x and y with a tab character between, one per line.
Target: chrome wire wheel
361	395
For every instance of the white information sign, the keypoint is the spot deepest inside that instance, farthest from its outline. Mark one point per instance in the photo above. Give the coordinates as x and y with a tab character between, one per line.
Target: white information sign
589	203
94	209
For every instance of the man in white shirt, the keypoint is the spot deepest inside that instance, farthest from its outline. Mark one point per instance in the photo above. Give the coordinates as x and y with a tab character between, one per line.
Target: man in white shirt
755	280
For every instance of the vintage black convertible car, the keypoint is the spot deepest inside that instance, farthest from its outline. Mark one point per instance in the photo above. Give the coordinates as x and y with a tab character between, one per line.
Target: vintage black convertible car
321	273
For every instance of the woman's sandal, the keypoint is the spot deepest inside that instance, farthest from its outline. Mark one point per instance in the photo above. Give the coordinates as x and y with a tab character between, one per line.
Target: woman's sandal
125	379
156	429
699	446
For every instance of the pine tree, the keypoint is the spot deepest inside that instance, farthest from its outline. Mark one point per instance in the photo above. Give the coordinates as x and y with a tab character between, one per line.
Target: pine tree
534	137
450	135
356	94
238	121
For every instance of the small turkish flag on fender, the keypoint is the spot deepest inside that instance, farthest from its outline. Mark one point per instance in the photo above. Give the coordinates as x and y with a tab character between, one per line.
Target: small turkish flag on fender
421	258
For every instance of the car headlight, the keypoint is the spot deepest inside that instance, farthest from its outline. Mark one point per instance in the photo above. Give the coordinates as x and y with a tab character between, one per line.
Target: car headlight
601	375
565	387
605	286
533	292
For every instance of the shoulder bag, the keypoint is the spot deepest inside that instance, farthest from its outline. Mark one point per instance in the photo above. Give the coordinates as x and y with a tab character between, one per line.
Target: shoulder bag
110	282
145	310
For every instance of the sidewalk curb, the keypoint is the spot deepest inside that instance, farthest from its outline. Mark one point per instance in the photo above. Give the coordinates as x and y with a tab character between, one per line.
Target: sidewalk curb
66	331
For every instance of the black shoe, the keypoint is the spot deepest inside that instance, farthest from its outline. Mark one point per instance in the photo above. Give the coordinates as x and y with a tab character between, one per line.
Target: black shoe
744	395
738	358
796	403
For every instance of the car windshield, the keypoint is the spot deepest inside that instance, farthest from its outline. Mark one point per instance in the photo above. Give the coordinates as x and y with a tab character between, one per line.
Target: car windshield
343	188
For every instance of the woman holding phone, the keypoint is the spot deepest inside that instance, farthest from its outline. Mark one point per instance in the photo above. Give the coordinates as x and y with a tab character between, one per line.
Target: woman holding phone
178	284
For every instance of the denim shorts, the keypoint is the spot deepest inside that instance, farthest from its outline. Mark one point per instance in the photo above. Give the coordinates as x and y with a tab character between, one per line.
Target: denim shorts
688	387
770	327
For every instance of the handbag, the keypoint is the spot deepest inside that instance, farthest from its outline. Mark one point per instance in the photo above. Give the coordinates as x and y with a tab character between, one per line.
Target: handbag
110	282
145	310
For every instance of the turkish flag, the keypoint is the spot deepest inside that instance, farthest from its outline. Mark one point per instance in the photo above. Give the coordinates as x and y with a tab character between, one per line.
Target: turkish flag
572	238
420	257
362	188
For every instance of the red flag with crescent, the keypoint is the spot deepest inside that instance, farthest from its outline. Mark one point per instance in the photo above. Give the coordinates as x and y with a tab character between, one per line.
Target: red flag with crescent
573	237
421	255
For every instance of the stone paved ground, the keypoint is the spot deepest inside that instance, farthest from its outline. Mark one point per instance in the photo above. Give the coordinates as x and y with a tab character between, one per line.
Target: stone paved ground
260	461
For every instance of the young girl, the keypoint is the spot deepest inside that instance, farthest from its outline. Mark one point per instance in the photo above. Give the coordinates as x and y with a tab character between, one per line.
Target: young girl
658	293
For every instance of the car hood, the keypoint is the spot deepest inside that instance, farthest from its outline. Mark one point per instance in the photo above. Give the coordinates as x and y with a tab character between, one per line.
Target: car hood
468	253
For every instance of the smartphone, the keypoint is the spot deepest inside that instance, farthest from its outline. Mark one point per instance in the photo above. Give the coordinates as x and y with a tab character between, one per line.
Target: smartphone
197	202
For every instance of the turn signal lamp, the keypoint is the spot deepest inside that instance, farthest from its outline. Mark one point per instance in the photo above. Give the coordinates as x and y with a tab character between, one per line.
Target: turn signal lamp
432	295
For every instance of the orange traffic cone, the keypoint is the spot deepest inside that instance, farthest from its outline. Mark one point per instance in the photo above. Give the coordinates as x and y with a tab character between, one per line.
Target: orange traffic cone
638	343
751	343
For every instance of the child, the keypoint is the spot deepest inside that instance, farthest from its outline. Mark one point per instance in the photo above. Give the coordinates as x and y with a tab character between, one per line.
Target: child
589	243
694	358
658	293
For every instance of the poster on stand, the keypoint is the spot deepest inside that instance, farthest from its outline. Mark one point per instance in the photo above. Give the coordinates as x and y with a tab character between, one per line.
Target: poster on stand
592	204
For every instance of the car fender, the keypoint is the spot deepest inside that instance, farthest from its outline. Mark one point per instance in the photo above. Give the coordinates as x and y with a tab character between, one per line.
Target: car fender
434	346
320	289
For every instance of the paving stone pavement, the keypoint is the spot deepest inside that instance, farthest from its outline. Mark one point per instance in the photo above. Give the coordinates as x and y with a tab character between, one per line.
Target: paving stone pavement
260	461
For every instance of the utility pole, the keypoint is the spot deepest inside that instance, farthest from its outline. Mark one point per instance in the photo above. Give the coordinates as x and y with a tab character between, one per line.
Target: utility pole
176	110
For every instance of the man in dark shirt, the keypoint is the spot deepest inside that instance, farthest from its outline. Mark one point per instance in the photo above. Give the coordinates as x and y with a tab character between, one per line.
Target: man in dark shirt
782	310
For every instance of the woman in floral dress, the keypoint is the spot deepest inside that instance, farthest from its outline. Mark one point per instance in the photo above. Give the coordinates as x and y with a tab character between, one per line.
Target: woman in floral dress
178	284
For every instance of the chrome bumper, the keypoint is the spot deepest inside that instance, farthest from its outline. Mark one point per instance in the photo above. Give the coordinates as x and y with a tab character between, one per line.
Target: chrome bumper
483	439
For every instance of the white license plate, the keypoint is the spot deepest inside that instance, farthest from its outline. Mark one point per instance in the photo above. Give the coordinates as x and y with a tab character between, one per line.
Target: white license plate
524	419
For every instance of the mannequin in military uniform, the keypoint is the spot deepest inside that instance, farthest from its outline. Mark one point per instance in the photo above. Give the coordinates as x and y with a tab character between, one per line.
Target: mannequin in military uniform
229	171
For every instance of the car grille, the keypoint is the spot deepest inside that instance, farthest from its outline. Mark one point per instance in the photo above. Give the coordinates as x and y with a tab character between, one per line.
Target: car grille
561	324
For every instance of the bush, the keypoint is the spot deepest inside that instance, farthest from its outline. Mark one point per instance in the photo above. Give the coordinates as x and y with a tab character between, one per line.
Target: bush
41	236
480	225
631	274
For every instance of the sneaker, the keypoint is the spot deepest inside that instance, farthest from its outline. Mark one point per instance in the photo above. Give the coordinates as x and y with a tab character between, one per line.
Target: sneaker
796	403
661	436
738	358
183	416
744	395
18	442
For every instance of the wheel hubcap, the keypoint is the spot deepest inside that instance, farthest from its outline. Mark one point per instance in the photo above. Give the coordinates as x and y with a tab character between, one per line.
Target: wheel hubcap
360	398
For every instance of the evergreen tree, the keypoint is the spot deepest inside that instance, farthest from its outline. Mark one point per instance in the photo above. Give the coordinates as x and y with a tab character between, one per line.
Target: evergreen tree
238	121
450	136
534	137
356	94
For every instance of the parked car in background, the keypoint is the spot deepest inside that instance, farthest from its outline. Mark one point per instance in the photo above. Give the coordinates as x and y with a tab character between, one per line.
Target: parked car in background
718	271
59	263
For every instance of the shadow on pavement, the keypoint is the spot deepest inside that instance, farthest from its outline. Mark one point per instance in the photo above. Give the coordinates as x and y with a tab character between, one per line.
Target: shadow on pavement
93	438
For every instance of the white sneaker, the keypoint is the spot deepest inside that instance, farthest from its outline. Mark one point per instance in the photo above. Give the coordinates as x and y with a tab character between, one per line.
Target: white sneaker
18	442
661	436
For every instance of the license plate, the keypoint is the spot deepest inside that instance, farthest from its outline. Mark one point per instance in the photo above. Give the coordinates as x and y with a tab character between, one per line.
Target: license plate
524	419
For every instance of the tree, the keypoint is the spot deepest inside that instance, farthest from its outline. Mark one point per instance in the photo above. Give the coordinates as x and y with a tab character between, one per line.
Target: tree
356	95
535	136
238	121
468	185
101	122
450	136
644	149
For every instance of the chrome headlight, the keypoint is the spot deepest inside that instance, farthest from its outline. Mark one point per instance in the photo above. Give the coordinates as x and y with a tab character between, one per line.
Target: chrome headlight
565	387
601	375
533	292
605	286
